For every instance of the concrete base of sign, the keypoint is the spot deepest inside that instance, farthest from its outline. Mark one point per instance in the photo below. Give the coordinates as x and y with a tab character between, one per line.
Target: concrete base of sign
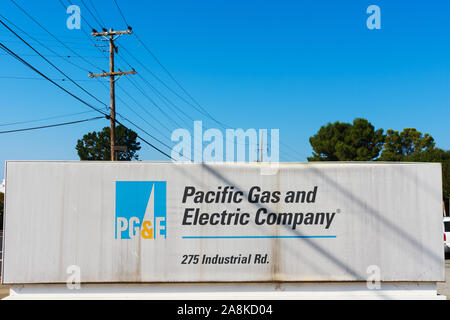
231	291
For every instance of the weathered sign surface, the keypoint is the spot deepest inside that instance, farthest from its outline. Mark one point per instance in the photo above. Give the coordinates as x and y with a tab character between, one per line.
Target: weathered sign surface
171	222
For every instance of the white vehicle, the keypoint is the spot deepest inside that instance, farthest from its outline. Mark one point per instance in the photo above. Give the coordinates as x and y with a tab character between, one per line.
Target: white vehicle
447	234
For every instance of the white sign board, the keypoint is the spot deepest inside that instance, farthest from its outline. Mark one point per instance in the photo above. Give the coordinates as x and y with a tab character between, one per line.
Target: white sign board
169	222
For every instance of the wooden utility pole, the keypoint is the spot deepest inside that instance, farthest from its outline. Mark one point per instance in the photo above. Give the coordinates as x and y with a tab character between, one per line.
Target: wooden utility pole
111	36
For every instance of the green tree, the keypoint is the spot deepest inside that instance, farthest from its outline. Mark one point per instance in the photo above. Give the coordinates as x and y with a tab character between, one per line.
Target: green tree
406	144
342	141
96	145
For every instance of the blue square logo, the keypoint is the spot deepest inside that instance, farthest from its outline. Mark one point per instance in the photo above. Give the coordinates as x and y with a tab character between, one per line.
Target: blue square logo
141	210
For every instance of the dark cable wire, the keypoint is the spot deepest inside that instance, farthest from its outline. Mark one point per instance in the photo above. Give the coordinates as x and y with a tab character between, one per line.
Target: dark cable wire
34	78
43	119
53	55
7	50
162	82
130	96
152	101
65	75
173	78
82	16
102	25
158	93
84	31
98	15
143	108
51	125
129	107
43	45
205	112
127	93
121	13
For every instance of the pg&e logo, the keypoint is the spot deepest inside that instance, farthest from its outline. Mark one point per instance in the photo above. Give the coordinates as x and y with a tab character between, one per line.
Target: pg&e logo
140	210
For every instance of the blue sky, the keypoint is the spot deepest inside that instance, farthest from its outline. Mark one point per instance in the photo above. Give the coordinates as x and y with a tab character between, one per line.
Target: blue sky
291	65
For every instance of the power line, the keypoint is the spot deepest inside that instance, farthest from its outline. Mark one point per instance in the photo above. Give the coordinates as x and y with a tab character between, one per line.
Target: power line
166	101
204	111
82	16
43	119
60	1
110	36
153	102
14	55
69	78
129	107
43	45
162	82
51	125
159	94
207	114
143	108
35	78
55	45
102	25
98	15
136	102
84	32
162	96
150	135
6	49
52	56
51	34
54	66
82	43
121	13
